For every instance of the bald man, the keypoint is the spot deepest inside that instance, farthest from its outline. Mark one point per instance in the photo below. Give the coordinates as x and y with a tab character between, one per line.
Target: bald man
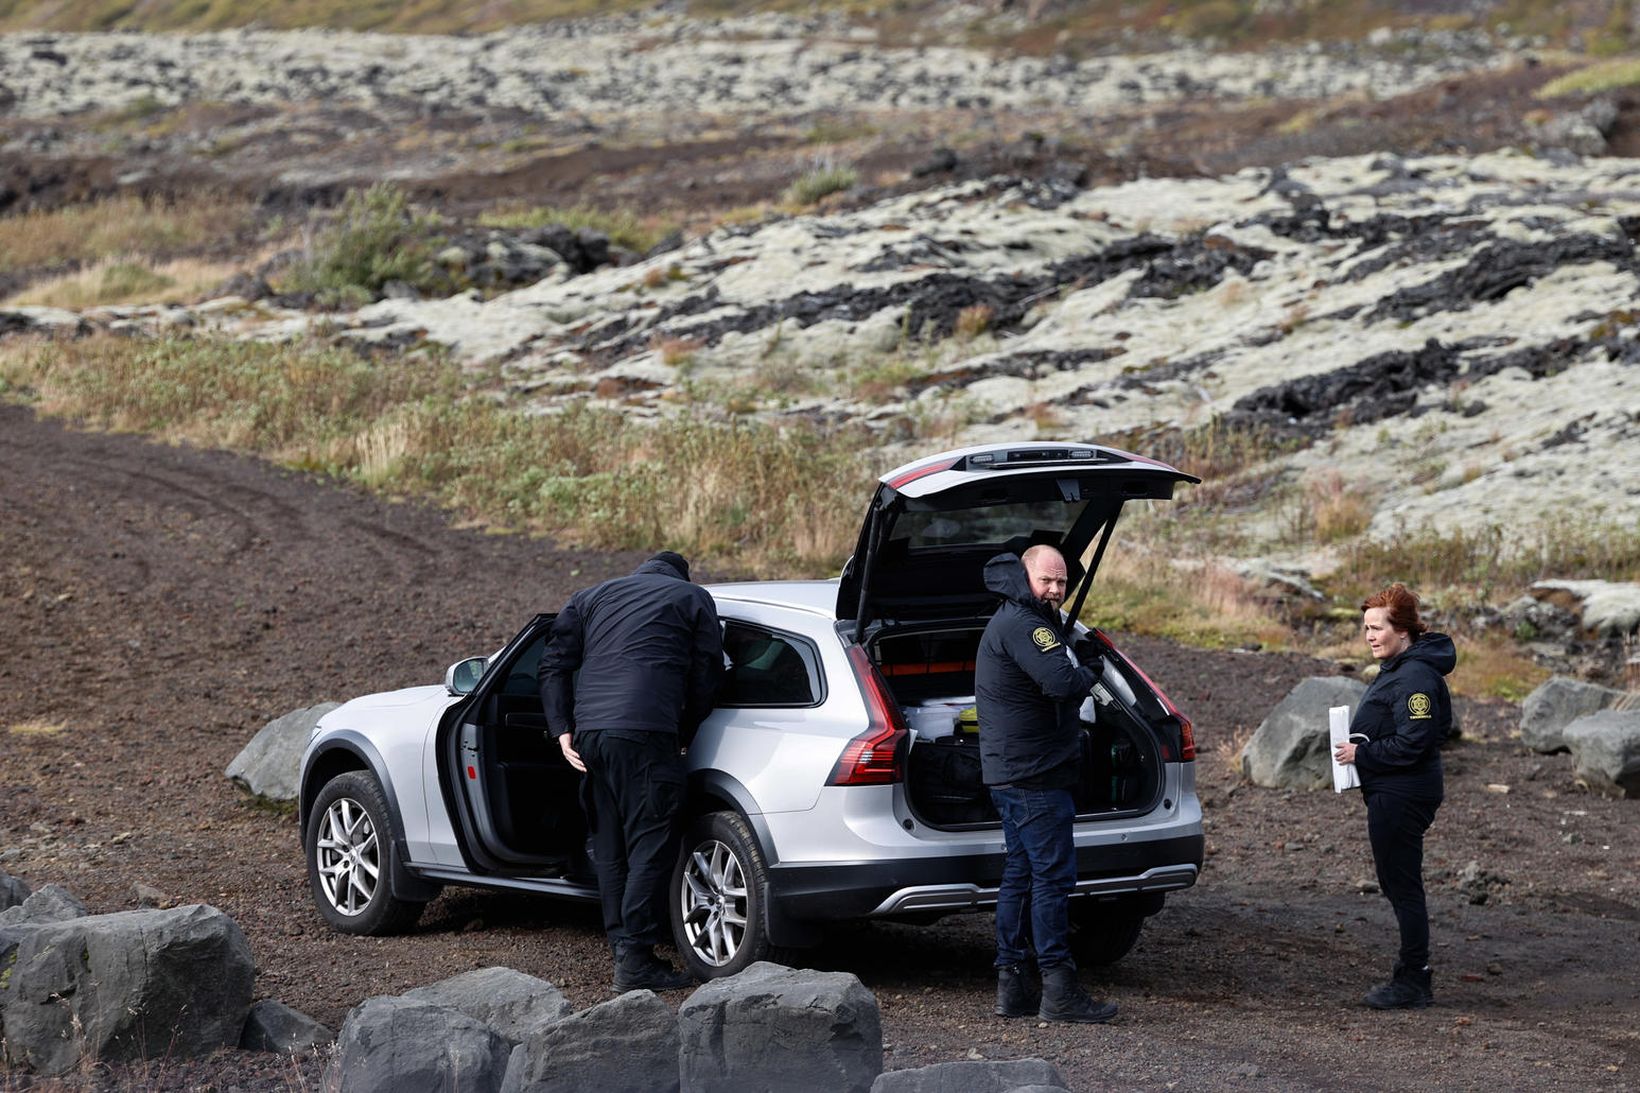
1028	687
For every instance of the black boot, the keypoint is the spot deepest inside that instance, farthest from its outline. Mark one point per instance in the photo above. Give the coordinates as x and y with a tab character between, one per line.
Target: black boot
638	968
1063	998
1408	988
1017	992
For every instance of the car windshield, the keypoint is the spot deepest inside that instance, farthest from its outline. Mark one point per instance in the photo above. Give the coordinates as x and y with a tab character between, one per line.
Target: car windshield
991	525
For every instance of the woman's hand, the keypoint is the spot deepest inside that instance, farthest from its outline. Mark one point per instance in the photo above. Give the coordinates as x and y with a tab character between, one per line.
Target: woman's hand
1345	753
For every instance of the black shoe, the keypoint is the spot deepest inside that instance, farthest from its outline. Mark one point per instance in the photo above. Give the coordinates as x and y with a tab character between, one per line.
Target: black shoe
1063	999
1017	993
1407	989
643	970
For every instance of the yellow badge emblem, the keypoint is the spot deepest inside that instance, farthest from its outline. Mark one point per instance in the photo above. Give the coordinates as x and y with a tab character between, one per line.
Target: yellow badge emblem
1418	706
1045	639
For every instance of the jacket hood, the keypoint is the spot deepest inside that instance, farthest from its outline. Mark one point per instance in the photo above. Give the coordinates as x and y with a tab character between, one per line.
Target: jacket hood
1435	650
1005	575
667	564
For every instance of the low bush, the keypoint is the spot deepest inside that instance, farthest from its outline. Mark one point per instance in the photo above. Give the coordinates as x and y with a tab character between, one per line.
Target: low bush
375	238
818	183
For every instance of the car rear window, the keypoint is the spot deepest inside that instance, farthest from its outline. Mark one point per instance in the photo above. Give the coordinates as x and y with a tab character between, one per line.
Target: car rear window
767	668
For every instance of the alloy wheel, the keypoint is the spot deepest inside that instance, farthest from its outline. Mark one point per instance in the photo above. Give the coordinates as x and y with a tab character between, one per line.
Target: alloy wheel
349	857
714	903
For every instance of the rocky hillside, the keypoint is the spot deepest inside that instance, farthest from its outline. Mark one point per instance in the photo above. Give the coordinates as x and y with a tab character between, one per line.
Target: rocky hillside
1457	334
1448	339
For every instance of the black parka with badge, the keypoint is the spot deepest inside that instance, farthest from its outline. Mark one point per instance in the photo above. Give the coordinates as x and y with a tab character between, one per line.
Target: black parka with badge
1026	685
1406	714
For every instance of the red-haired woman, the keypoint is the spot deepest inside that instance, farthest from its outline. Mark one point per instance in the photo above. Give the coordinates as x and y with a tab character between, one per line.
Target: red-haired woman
1405	714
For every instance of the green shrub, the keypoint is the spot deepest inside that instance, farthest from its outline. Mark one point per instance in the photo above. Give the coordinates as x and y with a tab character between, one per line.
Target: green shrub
818	183
375	238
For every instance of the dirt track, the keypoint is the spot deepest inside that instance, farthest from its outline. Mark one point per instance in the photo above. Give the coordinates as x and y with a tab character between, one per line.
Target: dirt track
161	604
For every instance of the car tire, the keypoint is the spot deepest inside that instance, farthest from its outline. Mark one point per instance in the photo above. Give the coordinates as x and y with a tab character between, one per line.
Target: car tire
351	854
718	888
1104	932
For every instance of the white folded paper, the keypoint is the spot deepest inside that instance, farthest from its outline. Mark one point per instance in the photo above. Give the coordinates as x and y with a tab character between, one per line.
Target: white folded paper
1338	729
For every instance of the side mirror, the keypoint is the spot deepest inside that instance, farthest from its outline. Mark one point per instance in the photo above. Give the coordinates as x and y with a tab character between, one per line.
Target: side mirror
462	676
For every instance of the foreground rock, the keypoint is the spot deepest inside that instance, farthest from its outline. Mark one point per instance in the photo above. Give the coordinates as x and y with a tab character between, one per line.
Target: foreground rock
123	987
1290	748
395	1044
773	1028
626	1045
13	891
53	903
1606	749
274	1026
977	1076
512	1003
1556	703
271	764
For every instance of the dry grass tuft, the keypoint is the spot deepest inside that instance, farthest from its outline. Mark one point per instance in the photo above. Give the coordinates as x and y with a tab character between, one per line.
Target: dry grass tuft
973	321
38	726
1339	508
129	280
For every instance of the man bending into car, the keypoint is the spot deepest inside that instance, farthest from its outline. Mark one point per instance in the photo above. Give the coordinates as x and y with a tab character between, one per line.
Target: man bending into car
1028	689
630	669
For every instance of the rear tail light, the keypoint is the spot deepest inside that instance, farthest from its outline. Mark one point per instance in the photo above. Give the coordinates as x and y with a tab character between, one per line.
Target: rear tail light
1187	732
875	757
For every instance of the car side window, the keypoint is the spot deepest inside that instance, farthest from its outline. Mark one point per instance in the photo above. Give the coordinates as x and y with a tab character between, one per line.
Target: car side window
521	678
765	668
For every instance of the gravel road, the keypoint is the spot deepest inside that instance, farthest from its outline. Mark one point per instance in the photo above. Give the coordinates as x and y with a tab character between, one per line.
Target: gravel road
160	604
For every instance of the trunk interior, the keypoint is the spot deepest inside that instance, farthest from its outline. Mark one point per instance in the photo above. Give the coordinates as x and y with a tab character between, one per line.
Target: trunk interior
931	674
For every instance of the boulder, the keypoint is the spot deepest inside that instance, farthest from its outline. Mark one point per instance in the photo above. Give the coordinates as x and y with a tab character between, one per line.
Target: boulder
274	1026
626	1045
271	763
510	1002
1290	748
394	1044
53	903
1557	703
1602	608
1606	749
772	1028
123	987
978	1076
13	891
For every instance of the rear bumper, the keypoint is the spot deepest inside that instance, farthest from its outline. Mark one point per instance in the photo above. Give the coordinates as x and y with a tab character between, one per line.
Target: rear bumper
887	888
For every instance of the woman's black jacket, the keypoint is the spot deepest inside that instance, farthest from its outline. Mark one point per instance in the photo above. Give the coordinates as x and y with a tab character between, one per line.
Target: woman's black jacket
1406	714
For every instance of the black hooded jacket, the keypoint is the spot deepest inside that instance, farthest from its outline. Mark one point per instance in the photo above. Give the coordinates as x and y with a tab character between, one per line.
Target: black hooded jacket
1027	687
1406	714
641	653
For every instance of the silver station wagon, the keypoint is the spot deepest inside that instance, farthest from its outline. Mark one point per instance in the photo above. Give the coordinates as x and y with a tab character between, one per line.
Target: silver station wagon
838	777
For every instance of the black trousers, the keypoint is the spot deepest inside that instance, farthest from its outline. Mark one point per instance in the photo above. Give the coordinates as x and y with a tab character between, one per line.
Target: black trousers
633	793
1396	826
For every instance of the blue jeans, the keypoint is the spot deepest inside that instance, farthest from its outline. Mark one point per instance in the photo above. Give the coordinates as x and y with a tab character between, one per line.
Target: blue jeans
1037	876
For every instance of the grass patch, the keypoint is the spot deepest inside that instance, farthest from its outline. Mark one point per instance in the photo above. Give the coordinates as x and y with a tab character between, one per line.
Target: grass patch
1610	75
1204	604
1477	568
756	497
624	227
818	183
107	230
127	281
375	238
1493	667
